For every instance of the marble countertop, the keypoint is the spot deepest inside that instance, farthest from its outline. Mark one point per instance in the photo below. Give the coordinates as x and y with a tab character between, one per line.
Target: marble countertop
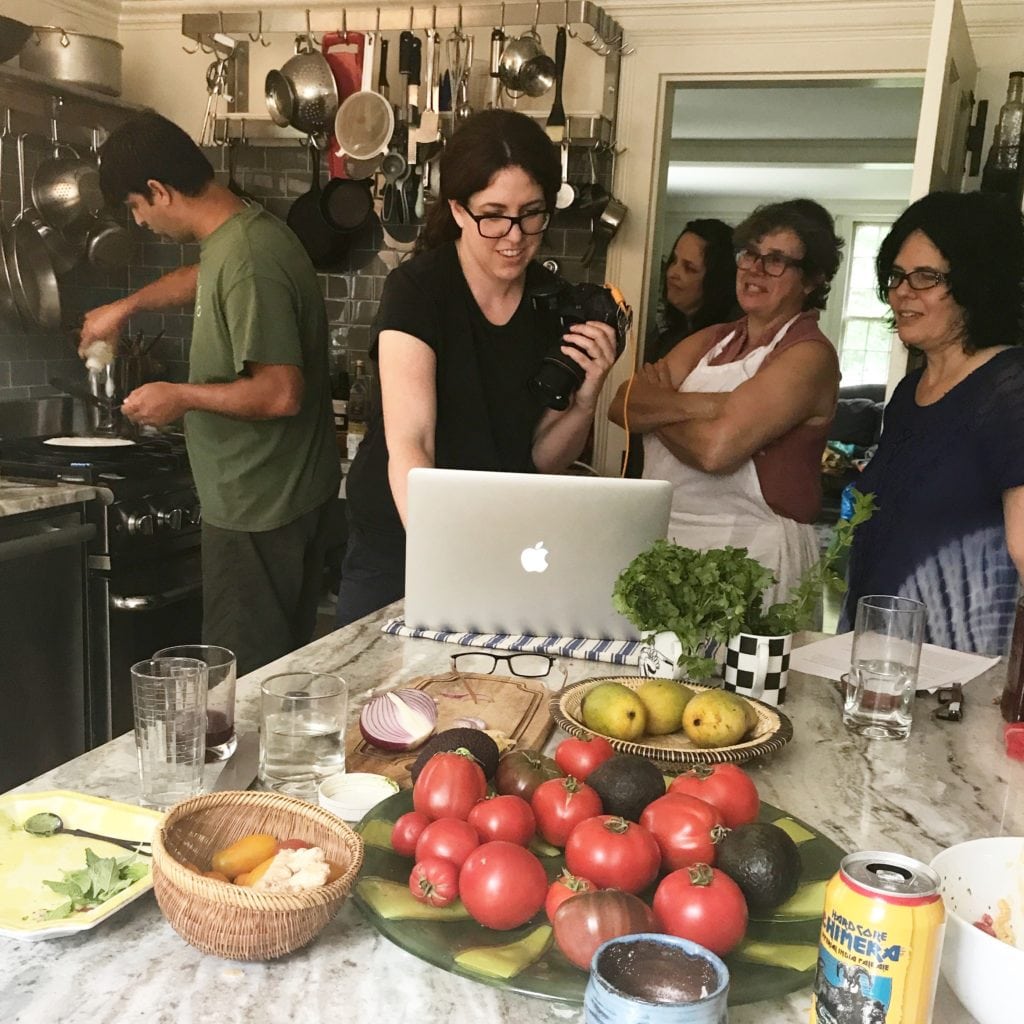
946	783
18	496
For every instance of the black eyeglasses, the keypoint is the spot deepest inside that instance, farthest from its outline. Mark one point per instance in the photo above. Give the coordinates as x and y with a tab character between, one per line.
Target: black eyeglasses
774	264
529	666
920	279
493	225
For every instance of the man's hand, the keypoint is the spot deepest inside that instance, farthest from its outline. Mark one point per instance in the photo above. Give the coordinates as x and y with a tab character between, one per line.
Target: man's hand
102	324
156	404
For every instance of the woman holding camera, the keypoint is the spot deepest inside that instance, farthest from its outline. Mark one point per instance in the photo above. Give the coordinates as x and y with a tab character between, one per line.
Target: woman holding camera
736	416
457	339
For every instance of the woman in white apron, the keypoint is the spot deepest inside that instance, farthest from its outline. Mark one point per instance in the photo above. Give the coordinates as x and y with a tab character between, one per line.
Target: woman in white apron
736	416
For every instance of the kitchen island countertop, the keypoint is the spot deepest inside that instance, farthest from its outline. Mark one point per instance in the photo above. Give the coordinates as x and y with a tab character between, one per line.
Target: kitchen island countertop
17	496
945	784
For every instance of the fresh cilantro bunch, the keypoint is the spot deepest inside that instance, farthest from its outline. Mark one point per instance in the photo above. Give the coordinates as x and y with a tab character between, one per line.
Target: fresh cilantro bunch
100	879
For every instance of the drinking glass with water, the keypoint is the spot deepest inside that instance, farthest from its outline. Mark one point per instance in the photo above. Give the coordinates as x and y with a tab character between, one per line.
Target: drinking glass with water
887	636
302	731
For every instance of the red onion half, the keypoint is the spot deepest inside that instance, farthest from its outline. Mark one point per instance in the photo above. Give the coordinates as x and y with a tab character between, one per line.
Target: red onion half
398	719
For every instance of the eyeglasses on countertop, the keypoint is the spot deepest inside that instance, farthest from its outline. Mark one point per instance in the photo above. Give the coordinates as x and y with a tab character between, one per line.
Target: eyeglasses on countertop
528	666
774	264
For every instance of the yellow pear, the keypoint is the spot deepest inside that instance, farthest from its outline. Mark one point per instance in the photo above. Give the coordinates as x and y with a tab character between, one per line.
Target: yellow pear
715	718
614	710
664	700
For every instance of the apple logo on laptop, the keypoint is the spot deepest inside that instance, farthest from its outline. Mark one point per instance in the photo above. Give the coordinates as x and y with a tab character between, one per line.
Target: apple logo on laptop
535	559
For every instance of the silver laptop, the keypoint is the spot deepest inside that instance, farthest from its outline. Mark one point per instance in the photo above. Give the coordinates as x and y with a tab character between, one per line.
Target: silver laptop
526	553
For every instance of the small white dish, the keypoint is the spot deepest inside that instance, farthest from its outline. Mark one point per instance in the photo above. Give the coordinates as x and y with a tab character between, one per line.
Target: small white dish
351	795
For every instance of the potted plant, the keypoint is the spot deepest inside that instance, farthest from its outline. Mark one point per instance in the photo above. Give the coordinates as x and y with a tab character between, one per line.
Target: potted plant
686	602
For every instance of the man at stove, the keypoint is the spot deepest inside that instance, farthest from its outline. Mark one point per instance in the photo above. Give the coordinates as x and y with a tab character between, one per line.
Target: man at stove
256	408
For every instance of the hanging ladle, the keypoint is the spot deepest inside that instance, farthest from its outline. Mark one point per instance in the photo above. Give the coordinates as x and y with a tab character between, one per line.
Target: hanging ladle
46	823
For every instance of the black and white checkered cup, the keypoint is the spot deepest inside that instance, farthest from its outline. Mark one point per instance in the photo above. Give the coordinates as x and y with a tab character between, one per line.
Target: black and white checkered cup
758	666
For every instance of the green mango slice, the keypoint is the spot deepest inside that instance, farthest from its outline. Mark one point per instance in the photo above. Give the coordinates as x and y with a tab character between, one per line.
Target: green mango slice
394	902
806	904
506	961
795	958
794	830
378	833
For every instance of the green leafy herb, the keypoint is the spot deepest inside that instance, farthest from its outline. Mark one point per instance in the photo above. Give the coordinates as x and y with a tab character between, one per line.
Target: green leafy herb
100	879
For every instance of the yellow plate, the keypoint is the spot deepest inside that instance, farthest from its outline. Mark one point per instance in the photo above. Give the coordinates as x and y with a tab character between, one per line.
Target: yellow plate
26	861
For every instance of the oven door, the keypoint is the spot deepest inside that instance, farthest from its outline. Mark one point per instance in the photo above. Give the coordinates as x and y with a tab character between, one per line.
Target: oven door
133	613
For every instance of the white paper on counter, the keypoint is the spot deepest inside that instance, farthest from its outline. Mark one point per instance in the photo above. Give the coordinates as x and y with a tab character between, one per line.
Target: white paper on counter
939	667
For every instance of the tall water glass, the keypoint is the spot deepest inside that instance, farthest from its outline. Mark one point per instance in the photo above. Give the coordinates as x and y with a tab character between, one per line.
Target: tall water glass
220	695
302	731
879	699
169	697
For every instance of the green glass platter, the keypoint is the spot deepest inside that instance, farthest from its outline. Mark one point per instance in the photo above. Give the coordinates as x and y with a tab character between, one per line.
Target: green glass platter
551	975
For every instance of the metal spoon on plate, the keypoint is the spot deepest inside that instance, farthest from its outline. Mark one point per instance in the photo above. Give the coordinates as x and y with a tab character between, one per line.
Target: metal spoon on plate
46	823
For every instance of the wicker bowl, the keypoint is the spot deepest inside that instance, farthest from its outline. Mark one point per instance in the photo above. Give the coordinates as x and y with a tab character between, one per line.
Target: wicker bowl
232	921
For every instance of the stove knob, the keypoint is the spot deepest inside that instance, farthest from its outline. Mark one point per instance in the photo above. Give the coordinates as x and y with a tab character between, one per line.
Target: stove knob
171	519
140	524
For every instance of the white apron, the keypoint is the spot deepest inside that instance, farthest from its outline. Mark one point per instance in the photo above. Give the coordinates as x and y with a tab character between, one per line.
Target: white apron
715	511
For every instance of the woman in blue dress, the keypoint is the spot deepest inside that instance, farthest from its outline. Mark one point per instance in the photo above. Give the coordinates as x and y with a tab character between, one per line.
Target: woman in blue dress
949	471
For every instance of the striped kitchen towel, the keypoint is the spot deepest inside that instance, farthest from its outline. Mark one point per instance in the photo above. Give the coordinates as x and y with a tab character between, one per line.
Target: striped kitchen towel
613	652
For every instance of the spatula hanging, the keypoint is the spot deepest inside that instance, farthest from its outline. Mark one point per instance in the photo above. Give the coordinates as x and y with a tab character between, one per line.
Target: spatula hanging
556	119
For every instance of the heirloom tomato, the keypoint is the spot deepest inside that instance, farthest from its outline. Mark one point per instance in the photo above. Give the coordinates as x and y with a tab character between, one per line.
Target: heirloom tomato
435	881
579	757
406	831
704	905
559	805
502	885
726	786
586	921
520	772
564	887
449	785
614	853
686	829
504	817
448	838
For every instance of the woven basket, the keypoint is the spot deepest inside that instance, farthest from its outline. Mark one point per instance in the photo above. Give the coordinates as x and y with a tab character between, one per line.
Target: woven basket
233	921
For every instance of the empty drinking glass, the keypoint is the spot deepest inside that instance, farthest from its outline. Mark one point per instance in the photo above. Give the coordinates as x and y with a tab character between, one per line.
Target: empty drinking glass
879	699
302	731
169	697
220	695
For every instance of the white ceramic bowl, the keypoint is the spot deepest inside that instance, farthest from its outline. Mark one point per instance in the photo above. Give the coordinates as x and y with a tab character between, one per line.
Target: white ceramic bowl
984	972
351	795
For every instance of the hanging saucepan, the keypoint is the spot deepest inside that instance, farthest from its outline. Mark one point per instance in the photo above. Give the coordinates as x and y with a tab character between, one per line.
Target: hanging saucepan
109	243
592	197
605	229
324	243
32	275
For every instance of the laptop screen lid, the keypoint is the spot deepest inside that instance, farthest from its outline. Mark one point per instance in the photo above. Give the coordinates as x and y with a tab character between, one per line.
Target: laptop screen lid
525	553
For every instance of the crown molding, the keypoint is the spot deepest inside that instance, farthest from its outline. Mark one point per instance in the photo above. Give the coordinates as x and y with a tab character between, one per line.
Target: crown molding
73	14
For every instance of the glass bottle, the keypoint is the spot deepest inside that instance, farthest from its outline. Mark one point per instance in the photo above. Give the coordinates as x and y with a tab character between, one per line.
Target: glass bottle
338	369
1012	702
1003	167
358	408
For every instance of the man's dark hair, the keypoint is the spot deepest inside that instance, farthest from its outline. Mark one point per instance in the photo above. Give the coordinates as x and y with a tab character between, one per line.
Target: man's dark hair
813	225
151	148
981	235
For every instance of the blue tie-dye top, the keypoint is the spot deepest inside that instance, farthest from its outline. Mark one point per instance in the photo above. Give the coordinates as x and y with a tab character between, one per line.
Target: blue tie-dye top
939	476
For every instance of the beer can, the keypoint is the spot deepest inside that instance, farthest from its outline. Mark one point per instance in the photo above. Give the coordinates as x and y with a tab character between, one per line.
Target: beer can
881	941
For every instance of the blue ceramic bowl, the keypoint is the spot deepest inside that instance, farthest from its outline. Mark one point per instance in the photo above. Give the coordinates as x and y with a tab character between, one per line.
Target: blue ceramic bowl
655	979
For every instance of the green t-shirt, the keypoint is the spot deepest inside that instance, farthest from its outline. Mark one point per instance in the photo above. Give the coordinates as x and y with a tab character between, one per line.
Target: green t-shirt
258	300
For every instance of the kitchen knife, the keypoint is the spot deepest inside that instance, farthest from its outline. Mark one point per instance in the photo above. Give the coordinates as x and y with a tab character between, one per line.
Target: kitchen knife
415	49
404	65
240	769
382	77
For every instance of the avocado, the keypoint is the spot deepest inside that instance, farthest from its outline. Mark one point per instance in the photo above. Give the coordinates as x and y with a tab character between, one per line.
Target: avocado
626	784
477	742
763	861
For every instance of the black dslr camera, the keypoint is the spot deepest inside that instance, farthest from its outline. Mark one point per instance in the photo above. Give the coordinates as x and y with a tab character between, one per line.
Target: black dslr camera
559	376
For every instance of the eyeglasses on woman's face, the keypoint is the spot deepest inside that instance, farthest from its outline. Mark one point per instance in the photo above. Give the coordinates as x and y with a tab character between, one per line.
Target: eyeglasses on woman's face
774	264
529	666
495	225
920	278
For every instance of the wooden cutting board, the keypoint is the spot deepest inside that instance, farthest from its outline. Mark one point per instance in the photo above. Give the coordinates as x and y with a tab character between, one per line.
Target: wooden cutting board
517	707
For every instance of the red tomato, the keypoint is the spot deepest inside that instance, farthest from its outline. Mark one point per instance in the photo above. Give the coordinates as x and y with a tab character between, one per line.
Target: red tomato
726	786
406	831
502	885
448	838
686	829
562	888
435	881
579	757
614	853
559	805
293	844
448	786
504	817
704	905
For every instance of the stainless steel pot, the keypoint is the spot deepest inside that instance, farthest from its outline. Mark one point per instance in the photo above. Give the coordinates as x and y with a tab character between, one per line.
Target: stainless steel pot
524	67
89	61
13	36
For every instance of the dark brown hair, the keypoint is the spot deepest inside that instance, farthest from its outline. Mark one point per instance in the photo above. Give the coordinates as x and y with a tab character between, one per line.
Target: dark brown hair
813	225
485	144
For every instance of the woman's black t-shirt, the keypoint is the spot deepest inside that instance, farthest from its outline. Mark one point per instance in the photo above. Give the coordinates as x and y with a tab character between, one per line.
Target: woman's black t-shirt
486	416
